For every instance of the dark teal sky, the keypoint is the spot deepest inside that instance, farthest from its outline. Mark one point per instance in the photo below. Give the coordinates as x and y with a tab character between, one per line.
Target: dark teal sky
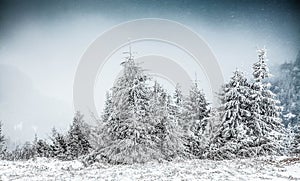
281	15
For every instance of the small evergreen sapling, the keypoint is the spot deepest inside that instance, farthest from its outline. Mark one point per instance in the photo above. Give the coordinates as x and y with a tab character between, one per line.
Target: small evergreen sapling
58	146
78	138
42	149
2	143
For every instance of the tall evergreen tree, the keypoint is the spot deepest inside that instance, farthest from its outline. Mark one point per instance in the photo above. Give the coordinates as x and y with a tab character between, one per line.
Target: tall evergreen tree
178	105
107	107
129	131
195	110
167	129
266	122
98	139
213	123
231	138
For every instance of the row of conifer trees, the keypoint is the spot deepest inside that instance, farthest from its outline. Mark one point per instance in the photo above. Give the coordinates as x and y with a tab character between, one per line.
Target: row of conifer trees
72	145
142	122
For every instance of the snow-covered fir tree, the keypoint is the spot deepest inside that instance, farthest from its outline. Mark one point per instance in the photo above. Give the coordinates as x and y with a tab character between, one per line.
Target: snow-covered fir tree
130	131
195	110
34	145
295	144
16	154
2	143
42	149
288	139
231	138
27	151
213	123
178	105
78	138
107	107
58	146
166	124
98	141
266	122
251	125
98	137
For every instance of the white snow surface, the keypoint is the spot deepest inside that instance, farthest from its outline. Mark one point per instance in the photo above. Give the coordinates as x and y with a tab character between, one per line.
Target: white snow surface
267	168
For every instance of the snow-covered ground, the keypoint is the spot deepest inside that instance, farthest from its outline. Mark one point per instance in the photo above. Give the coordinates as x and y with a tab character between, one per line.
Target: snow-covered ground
279	168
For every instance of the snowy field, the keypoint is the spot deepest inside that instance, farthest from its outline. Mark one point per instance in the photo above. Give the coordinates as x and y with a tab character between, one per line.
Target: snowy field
279	168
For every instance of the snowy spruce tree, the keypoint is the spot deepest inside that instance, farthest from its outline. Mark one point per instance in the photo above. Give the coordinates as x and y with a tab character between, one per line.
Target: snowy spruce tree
129	131
42	149
2	143
27	151
58	146
295	144
213	123
78	138
288	139
107	107
16	154
231	138
266	126
195	112
178	105
97	130
251	124
98	141
162	112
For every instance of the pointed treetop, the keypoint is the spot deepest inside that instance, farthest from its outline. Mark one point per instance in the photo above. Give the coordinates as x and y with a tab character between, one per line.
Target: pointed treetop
260	68
196	81
238	73
178	86
130	56
262	54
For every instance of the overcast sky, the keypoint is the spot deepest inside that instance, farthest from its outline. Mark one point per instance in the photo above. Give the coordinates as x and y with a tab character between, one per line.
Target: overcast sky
41	43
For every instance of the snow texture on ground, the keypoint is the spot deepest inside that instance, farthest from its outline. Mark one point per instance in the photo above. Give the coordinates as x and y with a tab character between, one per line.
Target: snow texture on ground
276	168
